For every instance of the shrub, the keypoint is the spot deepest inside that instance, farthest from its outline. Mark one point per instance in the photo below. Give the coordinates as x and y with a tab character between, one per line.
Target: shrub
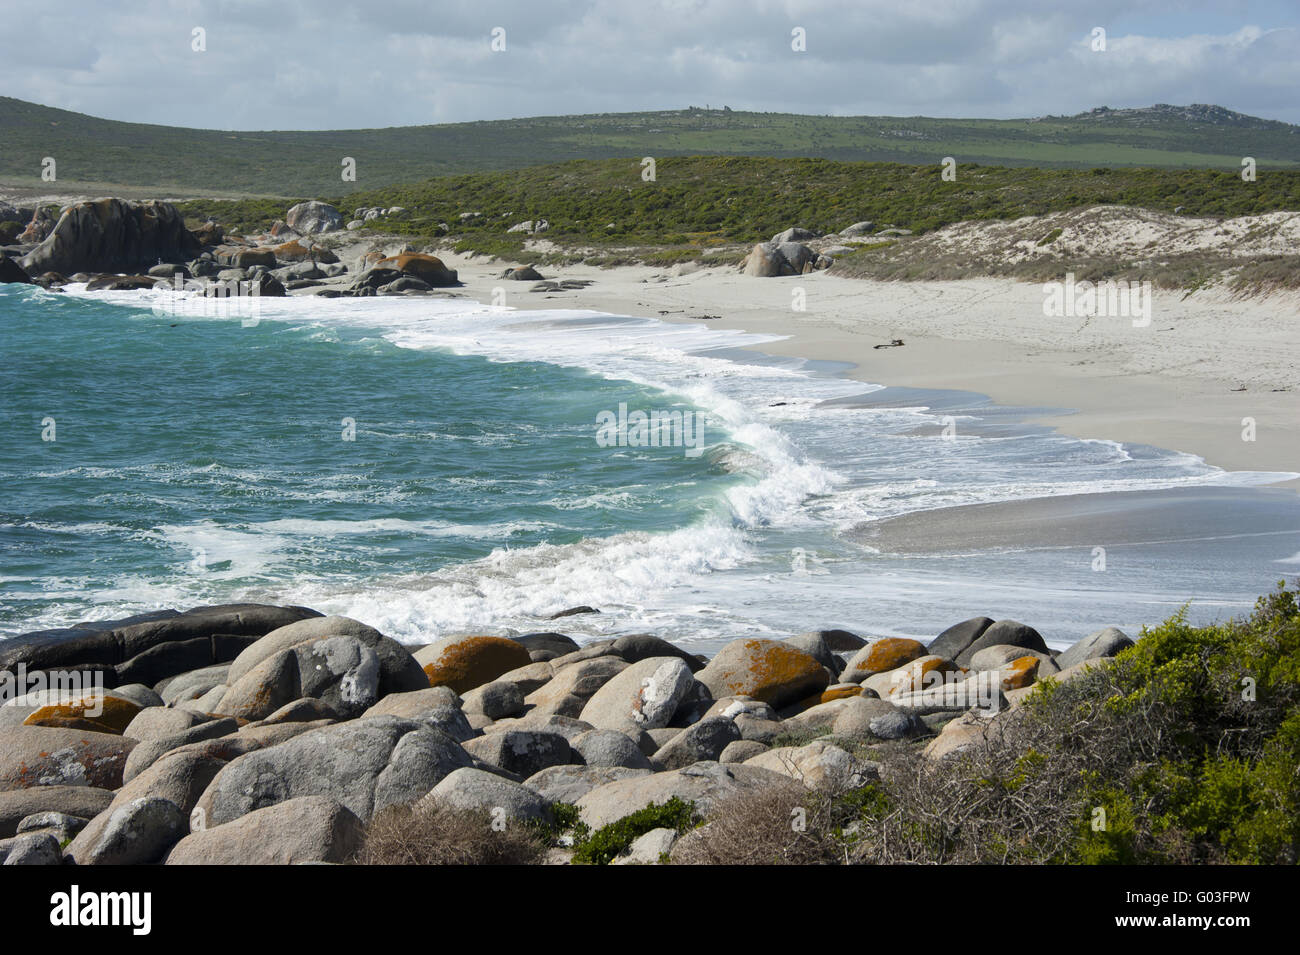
438	835
1181	750
768	827
607	842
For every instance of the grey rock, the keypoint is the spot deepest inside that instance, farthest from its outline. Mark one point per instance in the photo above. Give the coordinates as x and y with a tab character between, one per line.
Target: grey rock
476	789
76	801
1003	632
568	784
649	848
366	764
58	824
521	752
839	640
818	765
867	719
32	848
300	830
740	750
956	639
645	695
705	784
704	741
609	748
192	685
794	234
866	227
150	751
580	679
1103	643
138	832
313	217
495	700
635	647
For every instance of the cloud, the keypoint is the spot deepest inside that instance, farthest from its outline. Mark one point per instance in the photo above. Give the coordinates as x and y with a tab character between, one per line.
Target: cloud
333	64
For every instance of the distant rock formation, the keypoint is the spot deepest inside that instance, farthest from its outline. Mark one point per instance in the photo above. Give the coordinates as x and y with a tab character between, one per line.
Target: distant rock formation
307	218
112	235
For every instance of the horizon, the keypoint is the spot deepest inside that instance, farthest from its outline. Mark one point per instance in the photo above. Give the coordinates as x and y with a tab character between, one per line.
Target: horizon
709	108
328	66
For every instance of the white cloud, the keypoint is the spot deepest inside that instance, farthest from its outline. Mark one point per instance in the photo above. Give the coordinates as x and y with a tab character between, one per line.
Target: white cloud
332	64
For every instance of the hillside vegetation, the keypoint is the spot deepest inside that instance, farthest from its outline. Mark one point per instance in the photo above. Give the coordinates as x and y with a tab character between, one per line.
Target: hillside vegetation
106	156
698	203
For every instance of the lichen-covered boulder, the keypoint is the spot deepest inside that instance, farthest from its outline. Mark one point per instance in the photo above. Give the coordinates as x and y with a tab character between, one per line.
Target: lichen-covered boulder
881	656
48	756
767	670
429	268
463	663
97	712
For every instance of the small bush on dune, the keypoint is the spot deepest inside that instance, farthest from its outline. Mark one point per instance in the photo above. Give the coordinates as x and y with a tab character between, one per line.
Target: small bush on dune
438	835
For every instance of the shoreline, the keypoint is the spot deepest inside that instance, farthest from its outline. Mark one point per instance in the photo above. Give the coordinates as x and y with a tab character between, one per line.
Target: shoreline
1119	384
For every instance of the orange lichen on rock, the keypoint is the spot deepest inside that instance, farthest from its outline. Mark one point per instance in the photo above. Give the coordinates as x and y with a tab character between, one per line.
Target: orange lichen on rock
430	268
920	674
464	663
108	714
1020	673
883	655
839	693
767	670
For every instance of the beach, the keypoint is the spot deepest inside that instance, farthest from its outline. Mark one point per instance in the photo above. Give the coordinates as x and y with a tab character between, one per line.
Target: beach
1186	382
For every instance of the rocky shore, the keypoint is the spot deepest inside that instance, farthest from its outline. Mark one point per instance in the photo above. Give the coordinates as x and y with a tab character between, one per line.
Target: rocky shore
116	244
247	734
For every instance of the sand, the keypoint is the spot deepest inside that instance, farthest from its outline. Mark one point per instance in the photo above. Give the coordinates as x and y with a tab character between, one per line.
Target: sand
1187	381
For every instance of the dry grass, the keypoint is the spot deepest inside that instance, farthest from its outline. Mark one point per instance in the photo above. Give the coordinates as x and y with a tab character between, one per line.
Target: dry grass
768	827
437	835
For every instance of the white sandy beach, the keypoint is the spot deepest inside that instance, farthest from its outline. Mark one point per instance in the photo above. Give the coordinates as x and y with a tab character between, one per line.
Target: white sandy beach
1186	381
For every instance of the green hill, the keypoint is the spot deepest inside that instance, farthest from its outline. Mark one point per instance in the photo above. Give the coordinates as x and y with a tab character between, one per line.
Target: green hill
108	156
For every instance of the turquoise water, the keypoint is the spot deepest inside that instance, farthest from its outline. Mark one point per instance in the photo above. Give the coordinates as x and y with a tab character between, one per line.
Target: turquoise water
199	458
203	458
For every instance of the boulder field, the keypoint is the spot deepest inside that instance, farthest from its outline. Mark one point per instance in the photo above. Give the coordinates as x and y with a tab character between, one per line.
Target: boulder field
121	245
258	734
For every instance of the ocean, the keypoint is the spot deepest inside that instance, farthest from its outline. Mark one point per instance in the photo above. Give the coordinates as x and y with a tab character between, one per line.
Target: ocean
433	466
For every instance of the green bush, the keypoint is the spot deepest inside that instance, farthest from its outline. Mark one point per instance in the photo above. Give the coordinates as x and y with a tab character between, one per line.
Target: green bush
604	845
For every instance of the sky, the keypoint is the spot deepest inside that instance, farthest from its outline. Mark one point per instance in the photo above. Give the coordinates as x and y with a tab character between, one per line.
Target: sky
333	64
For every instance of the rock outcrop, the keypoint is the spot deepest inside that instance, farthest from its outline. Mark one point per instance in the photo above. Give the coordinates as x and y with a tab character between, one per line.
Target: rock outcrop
112	235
